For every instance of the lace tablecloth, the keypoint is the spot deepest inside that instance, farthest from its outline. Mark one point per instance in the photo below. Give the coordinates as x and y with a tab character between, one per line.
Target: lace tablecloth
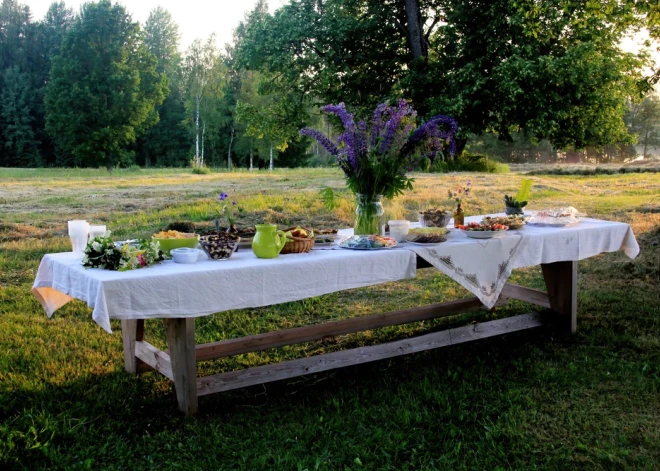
207	287
483	266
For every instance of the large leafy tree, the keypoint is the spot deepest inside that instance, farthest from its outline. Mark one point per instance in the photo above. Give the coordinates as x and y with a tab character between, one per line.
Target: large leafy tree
272	117
19	99
166	143
20	145
51	32
644	121
104	87
547	69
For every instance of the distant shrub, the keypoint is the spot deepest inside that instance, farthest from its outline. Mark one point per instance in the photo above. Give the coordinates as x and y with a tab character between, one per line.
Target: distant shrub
181	226
133	169
201	170
470	163
593	171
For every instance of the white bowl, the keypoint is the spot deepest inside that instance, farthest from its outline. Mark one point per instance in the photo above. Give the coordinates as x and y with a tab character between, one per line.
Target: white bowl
399	229
485	234
184	255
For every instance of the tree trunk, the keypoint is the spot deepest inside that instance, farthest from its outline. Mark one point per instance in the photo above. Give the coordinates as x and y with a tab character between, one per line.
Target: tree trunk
251	156
197	134
461	142
646	143
231	141
416	40
272	164
201	160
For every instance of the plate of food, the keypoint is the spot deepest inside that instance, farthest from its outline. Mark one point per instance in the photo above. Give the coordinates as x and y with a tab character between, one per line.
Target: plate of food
555	217
370	242
427	235
514	221
477	230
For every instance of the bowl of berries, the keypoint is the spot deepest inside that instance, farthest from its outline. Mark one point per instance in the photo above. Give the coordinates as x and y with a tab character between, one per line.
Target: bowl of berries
476	230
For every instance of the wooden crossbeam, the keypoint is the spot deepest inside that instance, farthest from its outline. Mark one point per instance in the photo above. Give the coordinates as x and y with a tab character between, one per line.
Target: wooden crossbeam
534	296
253	343
305	366
155	358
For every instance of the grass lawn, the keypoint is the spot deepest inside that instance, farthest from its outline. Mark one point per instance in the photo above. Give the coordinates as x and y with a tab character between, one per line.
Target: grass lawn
542	401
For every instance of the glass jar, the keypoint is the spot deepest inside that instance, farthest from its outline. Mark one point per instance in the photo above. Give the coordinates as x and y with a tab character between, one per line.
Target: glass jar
369	214
459	216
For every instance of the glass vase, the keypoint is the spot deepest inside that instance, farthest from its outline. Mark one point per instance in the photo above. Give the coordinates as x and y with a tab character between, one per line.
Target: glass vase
369	215
459	216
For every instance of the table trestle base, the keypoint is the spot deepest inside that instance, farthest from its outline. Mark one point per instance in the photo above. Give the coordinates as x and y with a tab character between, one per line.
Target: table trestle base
179	362
309	333
357	356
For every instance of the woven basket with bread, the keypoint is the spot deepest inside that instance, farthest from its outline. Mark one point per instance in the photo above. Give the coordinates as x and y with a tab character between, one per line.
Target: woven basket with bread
299	240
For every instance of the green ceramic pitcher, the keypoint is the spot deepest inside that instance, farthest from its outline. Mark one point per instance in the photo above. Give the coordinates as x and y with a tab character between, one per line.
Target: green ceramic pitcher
267	242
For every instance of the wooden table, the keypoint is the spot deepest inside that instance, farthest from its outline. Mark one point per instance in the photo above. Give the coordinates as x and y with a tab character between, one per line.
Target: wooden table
179	363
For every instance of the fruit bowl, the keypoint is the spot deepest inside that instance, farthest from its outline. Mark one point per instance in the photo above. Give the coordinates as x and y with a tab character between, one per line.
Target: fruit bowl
298	240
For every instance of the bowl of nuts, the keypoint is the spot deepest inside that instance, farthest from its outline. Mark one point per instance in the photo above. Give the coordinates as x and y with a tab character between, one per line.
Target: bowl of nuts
219	245
434	218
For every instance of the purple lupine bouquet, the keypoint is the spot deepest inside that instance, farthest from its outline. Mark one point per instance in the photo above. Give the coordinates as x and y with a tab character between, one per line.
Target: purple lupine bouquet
375	158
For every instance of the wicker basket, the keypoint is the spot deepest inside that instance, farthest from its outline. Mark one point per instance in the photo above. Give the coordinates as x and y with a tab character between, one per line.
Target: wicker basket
298	244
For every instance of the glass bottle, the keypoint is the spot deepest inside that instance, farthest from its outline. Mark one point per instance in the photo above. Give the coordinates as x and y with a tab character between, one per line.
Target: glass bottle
459	216
369	215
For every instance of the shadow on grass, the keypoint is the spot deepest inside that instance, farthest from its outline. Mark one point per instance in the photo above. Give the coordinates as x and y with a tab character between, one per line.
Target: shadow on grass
103	420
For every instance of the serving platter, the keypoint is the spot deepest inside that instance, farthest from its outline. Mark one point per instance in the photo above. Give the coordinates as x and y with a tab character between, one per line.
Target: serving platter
426	243
362	245
554	223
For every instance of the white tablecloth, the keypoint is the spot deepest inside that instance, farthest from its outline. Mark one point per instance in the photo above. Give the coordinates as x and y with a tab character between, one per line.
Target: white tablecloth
174	290
206	287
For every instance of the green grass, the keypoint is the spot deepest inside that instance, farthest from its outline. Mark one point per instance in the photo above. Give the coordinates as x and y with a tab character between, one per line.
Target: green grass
542	401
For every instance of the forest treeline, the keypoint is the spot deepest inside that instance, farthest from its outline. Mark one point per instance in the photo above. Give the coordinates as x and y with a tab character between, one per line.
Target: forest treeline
526	80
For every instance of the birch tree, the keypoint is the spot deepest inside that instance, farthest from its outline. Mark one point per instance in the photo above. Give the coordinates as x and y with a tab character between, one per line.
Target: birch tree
200	60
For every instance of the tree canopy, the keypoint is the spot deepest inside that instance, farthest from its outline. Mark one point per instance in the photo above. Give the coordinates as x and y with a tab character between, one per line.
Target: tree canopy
104	86
542	76
548	69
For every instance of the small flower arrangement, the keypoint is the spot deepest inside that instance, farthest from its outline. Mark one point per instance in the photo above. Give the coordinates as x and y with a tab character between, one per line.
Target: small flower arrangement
229	211
460	192
101	252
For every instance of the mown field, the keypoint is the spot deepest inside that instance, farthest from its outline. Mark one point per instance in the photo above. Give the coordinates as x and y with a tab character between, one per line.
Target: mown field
542	401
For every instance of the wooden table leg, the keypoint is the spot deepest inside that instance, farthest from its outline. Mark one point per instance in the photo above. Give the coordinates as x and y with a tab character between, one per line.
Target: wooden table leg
181	343
131	330
561	283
